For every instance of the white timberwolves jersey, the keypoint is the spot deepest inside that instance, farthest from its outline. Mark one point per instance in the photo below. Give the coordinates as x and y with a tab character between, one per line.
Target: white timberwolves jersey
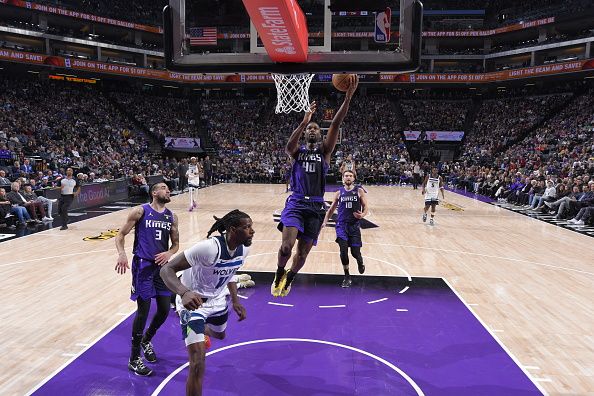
193	175
212	266
432	189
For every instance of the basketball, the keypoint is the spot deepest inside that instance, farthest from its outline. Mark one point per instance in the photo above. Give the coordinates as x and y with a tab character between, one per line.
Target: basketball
341	81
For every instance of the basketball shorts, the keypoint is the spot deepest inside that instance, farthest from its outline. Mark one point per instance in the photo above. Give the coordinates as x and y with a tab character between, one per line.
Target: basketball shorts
146	280
431	201
350	232
306	216
213	312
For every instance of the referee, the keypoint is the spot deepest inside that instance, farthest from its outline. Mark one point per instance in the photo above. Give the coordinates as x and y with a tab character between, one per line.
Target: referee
67	186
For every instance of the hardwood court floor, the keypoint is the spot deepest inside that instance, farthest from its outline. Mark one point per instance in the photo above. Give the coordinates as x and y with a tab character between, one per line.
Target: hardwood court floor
531	283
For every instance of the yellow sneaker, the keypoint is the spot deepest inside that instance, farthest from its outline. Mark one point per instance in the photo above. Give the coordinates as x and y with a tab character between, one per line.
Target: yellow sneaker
285	286
275	288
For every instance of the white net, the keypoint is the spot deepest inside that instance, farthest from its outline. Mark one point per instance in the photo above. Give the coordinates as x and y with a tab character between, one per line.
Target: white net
292	92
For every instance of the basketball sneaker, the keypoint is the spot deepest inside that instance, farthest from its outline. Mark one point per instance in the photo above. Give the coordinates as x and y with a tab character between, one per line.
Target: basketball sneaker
361	268
346	282
243	277
431	222
139	368
424	217
275	288
244	284
194	204
285	287
149	352
191	209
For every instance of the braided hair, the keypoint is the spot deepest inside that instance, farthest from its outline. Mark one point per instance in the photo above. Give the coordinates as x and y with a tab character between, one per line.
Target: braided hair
231	219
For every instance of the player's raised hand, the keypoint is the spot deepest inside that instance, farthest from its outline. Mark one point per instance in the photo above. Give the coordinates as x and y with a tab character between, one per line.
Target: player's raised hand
122	264
191	300
240	311
354	83
312	109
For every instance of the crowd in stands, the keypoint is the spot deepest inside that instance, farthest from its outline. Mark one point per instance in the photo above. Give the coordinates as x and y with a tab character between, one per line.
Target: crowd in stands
47	127
435	115
373	140
545	140
251	141
162	116
551	170
502	121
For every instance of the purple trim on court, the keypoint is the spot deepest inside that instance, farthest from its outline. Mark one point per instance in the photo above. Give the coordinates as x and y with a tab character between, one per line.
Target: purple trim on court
437	342
472	195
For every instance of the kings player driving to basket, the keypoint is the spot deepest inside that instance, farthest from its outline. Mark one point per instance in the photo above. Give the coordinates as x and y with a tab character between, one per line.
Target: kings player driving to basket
304	210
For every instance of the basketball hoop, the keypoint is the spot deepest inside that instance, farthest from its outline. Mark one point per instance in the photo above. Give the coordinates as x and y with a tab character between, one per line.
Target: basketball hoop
292	92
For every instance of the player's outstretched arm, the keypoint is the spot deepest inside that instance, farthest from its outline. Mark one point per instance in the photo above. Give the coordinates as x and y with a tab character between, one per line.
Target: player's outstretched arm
163	258
133	217
332	137
190	299
237	307
293	144
332	208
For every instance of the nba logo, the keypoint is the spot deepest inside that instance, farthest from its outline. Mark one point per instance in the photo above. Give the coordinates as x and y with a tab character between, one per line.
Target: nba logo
382	26
67	62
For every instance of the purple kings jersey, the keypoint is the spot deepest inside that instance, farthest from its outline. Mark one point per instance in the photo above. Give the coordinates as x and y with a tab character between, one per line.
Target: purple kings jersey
308	175
151	233
348	203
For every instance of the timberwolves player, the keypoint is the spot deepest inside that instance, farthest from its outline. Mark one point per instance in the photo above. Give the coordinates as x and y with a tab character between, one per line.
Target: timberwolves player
304	210
208	278
349	199
432	184
154	226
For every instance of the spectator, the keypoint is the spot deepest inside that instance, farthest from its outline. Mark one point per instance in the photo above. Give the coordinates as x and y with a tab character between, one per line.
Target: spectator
16	198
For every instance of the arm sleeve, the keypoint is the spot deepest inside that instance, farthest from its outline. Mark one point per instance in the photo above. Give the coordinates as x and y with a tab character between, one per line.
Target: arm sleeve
203	253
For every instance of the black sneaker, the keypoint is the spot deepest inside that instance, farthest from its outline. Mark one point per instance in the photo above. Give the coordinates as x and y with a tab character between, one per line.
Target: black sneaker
347	282
361	268
149	353
64	227
137	365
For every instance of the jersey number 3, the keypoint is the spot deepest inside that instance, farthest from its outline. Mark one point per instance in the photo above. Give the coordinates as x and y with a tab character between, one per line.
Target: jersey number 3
158	235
